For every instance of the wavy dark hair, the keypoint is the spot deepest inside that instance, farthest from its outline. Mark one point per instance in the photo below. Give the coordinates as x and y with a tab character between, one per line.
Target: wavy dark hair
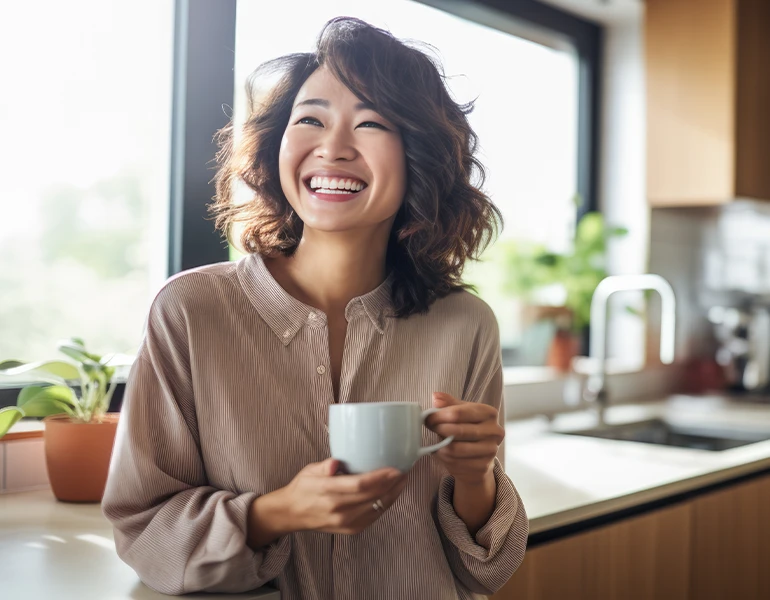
445	218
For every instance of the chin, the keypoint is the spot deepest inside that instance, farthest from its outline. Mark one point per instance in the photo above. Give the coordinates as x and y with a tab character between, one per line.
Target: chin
327	224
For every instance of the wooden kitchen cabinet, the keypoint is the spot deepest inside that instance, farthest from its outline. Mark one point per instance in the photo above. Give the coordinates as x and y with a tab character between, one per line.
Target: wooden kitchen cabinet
715	546
708	93
644	557
731	543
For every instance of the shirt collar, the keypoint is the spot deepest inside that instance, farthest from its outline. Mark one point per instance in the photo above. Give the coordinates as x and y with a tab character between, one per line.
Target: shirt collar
286	315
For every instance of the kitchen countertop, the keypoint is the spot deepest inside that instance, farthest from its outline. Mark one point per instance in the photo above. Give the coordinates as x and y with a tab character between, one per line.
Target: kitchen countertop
57	550
565	479
52	549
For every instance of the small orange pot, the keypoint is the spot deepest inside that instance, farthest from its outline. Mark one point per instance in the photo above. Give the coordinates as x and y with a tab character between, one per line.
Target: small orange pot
78	456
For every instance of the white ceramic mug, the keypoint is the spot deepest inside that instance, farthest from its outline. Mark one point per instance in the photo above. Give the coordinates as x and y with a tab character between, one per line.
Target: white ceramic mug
373	435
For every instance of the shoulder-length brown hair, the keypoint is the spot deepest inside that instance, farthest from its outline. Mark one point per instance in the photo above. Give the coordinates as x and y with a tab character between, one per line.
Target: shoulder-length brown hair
445	218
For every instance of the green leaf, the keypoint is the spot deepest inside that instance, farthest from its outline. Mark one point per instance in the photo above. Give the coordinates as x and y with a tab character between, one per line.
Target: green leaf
64	370
77	353
38	401
617	231
8	418
10	364
76	341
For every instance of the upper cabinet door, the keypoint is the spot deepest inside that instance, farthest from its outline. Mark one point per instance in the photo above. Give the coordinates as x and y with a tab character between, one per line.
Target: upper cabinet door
708	101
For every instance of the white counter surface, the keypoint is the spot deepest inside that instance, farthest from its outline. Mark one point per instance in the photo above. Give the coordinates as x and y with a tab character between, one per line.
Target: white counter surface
56	550
53	550
565	479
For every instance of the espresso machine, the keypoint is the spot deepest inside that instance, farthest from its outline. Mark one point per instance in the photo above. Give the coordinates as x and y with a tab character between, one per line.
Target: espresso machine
743	334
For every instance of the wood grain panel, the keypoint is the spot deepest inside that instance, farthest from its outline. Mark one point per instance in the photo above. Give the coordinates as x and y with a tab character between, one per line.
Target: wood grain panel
691	72
644	558
726	543
753	100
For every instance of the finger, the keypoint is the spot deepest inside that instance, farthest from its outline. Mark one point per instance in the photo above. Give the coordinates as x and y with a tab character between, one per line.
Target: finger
441	400
471	432
366	512
325	468
363	484
468	412
470	450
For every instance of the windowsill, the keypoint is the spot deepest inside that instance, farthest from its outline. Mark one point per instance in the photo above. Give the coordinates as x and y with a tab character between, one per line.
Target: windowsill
24	429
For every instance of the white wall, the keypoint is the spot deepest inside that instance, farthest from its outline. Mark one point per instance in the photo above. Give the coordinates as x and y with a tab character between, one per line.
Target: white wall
622	194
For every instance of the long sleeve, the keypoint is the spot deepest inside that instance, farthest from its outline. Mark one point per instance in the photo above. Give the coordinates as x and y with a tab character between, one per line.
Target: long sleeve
177	532
485	563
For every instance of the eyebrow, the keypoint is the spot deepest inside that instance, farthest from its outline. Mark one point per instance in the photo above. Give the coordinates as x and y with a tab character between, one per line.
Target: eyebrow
326	104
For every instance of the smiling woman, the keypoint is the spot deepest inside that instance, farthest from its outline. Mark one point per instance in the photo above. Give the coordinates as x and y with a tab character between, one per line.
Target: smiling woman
223	482
391	125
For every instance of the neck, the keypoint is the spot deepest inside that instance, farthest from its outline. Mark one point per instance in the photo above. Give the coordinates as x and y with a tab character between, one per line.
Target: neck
328	270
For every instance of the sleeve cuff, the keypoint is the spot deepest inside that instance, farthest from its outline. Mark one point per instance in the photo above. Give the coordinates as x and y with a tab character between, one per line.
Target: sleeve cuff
491	537
268	562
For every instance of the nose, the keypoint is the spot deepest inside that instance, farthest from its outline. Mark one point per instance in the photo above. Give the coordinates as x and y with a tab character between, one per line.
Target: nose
336	144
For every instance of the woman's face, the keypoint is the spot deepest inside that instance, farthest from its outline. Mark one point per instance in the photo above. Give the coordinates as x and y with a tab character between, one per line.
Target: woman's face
342	165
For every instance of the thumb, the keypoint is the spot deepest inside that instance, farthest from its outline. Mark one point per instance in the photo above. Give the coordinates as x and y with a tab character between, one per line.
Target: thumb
326	468
440	400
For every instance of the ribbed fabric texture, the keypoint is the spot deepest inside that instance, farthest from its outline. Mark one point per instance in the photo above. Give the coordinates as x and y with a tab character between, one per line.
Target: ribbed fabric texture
228	399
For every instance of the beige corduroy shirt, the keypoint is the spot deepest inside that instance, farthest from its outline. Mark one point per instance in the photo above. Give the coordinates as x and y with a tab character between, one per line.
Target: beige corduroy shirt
228	399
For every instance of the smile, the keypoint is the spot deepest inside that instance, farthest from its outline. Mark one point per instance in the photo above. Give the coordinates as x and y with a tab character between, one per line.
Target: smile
334	189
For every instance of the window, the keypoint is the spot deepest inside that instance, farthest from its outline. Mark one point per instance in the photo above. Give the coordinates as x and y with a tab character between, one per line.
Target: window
85	116
526	82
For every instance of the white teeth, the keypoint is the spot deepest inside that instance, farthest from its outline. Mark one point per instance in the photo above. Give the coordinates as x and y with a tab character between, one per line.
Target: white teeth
335	184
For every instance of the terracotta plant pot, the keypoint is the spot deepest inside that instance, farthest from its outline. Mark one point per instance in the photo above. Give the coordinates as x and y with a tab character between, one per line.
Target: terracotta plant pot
564	347
78	456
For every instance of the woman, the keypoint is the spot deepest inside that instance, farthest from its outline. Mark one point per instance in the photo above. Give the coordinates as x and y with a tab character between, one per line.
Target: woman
362	218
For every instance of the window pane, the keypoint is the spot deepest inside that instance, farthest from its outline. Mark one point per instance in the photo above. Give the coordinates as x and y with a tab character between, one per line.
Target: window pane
525	116
85	117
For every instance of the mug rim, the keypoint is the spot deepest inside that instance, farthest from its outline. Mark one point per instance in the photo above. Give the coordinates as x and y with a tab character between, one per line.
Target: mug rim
374	404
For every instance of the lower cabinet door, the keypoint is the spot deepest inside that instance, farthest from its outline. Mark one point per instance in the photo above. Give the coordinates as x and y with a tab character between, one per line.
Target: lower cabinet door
731	543
644	557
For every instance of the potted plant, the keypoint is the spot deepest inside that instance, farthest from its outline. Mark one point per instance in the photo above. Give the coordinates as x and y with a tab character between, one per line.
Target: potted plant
574	275
72	397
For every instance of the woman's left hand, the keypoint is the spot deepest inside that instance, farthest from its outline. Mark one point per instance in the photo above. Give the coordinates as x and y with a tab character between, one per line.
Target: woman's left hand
477	436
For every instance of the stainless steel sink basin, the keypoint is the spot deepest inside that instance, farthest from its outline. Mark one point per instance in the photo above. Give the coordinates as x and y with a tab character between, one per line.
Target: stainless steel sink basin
659	431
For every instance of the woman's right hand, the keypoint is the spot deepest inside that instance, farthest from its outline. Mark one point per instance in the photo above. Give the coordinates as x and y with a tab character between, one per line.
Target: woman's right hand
319	500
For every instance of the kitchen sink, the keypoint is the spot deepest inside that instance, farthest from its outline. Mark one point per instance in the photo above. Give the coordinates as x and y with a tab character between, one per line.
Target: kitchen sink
661	432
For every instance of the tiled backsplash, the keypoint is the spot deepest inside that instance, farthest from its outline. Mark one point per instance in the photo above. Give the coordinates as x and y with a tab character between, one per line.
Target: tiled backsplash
711	256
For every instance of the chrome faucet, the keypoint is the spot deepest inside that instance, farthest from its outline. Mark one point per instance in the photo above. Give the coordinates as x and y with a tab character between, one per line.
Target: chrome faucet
595	387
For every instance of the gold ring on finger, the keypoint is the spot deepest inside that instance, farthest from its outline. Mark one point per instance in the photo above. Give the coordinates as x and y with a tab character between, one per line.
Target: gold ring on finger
378	506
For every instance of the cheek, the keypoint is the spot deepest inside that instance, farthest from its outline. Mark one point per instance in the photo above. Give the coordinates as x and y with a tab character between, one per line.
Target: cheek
287	164
393	168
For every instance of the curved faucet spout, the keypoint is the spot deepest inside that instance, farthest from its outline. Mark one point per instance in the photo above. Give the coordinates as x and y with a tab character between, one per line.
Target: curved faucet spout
599	302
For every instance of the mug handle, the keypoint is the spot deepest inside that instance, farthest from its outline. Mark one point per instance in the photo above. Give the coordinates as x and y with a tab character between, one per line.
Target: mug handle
431	449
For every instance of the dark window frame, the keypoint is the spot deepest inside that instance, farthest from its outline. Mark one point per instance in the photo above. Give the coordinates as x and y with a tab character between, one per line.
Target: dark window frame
587	38
203	94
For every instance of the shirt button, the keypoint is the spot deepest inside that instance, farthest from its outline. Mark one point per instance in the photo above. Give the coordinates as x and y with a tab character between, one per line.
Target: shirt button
286	333
312	316
321	369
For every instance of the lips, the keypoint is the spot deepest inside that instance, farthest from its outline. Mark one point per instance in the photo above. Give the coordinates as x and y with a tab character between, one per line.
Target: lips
330	186
328	195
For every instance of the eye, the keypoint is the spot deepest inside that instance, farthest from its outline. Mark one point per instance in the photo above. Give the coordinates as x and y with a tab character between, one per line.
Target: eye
373	124
309	121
